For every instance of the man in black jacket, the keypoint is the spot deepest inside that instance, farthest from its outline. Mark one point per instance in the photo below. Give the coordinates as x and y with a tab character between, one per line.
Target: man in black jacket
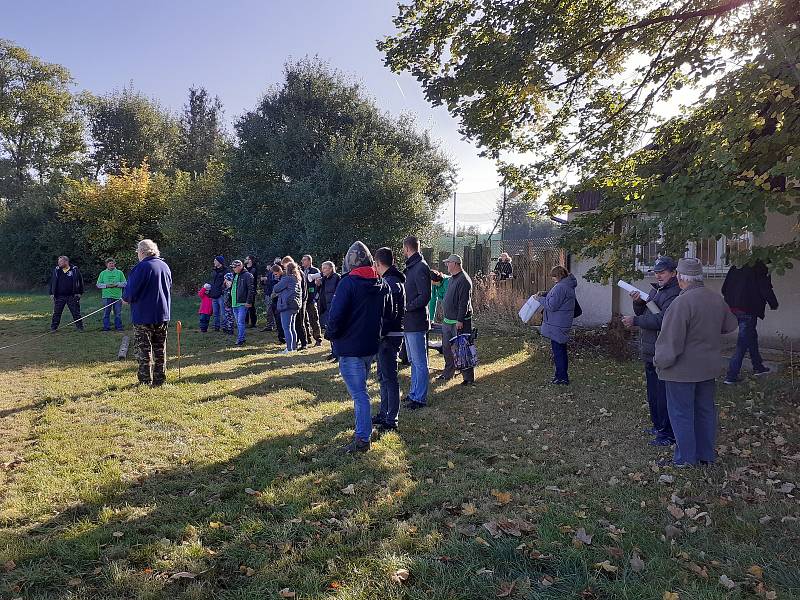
747	290
391	337
66	287
243	296
417	323
313	278
665	290
456	316
216	293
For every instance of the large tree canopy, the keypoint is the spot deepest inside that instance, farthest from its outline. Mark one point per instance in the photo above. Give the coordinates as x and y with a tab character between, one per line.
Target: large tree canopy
40	126
575	87
318	165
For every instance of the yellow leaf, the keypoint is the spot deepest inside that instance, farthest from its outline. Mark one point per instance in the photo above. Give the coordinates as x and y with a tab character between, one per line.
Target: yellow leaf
756	571
502	497
468	509
670	596
606	566
215	524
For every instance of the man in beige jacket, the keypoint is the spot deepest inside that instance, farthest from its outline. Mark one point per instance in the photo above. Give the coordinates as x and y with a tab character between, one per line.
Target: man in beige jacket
688	359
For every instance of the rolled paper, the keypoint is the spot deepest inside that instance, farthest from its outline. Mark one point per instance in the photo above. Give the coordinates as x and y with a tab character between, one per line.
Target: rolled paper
630	289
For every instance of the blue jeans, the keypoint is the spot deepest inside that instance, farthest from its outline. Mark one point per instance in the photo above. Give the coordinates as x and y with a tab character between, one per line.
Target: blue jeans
694	420
354	370
417	350
112	304
560	360
657	401
288	323
387	375
746	342
218	305
204	319
240	313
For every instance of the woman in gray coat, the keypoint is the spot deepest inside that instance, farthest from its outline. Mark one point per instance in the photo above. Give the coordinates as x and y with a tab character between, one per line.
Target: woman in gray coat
289	298
559	310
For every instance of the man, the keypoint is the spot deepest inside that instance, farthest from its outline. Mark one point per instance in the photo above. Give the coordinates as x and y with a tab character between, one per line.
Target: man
457	317
687	358
66	287
354	328
217	282
313	277
268	281
391	337
251	266
111	281
243	296
747	290
327	288
416	324
665	290
149	294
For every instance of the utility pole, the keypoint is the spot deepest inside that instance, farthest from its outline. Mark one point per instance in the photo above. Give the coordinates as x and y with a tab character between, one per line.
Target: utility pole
454	223
503	219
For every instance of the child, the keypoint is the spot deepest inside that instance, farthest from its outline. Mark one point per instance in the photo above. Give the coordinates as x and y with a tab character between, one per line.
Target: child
227	322
206	307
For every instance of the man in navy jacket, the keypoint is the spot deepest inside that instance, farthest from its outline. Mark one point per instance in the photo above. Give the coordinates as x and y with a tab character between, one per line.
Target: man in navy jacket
354	328
148	293
66	287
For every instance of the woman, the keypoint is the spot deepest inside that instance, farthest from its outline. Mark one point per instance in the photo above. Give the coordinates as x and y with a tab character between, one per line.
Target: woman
327	288
251	264
559	310
288	292
439	285
503	269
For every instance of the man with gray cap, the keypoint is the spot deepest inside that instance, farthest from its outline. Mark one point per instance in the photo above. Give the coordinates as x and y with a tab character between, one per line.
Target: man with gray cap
665	290
354	329
457	316
688	359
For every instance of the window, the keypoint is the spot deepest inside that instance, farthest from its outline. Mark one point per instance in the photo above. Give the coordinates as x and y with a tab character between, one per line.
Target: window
717	255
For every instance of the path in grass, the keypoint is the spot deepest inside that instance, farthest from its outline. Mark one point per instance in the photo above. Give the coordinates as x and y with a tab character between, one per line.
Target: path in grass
228	484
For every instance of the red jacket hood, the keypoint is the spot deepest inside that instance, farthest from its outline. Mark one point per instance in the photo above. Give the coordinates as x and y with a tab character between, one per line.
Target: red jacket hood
364	272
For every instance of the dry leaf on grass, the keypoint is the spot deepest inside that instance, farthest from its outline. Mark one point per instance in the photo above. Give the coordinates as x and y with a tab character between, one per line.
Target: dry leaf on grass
9	566
676	511
117	534
349	490
502	498
182	575
506	589
400	575
670	596
468	509
606	566
75	581
726	582
698	570
636	563
251	492
581	537
287	593
756	571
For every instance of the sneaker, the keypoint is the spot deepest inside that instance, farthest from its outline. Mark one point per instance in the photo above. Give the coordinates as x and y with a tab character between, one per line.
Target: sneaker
661	442
561	382
414	405
443	377
355	446
761	371
731	381
649	431
285	351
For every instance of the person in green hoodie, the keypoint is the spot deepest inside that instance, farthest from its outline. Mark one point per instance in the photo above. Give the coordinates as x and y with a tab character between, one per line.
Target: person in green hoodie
110	282
439	283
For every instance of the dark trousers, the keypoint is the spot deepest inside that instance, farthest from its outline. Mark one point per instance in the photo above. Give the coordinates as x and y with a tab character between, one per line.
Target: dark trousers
313	321
278	322
74	305
300	327
151	351
746	342
560	360
657	401
270	313
449	332
694	420
252	316
204	320
387	375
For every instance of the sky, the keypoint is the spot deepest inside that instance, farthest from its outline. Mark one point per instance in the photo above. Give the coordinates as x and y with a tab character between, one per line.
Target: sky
236	49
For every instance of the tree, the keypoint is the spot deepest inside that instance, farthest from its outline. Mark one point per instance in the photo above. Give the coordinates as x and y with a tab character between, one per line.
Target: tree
202	135
318	165
523	219
113	215
578	86
193	228
40	126
721	169
127	129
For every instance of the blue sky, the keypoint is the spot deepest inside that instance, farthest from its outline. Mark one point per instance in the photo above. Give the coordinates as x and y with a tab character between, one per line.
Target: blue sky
235	48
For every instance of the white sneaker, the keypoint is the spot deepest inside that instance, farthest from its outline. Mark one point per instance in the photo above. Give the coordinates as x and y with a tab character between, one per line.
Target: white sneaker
285	351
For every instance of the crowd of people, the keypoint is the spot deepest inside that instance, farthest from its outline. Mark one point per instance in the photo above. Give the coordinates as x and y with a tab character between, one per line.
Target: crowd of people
374	312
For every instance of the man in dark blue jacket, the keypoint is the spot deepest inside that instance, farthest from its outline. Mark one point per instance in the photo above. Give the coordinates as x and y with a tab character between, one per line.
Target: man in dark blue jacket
149	294
665	290
66	287
417	322
391	337
354	328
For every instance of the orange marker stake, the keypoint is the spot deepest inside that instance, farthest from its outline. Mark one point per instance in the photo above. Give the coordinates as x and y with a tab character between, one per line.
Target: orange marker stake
178	328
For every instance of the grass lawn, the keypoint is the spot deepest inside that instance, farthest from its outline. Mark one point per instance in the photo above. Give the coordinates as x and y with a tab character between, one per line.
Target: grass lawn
228	483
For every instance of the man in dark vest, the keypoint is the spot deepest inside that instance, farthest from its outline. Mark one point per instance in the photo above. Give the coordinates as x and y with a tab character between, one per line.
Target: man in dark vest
66	287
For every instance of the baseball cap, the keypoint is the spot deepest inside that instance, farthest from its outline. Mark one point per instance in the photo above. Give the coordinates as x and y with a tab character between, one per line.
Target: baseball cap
453	258
664	263
229	276
237	263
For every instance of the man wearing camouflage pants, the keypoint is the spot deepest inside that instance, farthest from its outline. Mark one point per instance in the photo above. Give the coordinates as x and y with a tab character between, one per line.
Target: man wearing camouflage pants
148	293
